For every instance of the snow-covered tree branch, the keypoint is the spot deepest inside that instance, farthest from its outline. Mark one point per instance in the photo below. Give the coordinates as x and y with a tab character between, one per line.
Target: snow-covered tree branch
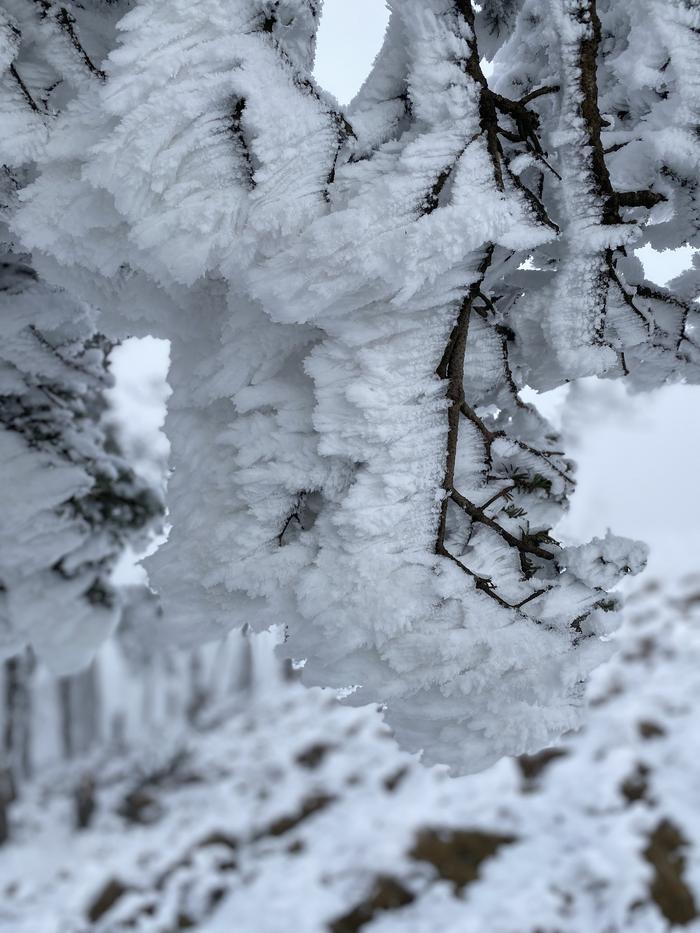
355	301
70	502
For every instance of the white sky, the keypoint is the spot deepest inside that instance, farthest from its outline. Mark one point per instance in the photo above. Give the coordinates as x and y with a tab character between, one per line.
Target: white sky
349	37
637	456
637	469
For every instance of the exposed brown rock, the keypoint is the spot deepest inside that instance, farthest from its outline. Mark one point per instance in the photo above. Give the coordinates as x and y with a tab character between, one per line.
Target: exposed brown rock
532	766
393	780
308	807
458	854
636	786
313	756
386	894
668	888
651	730
105	900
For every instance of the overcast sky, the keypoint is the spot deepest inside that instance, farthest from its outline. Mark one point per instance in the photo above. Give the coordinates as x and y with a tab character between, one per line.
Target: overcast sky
638	456
349	37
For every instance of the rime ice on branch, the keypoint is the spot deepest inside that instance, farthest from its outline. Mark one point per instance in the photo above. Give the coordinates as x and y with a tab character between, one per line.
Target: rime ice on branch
355	301
69	502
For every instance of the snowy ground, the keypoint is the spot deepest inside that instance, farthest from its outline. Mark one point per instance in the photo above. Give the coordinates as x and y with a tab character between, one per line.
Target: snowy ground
295	813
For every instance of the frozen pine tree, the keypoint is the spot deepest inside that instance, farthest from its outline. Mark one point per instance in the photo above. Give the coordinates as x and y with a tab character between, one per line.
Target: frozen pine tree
355	300
69	500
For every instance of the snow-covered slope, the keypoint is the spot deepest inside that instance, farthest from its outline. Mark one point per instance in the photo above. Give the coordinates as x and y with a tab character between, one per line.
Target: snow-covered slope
297	813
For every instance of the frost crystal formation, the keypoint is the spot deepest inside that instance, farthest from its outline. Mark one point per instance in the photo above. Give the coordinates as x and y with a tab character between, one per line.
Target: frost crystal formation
354	300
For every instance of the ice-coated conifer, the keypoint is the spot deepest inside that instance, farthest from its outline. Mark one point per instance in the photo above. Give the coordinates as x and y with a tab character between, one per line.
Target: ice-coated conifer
69	501
355	300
